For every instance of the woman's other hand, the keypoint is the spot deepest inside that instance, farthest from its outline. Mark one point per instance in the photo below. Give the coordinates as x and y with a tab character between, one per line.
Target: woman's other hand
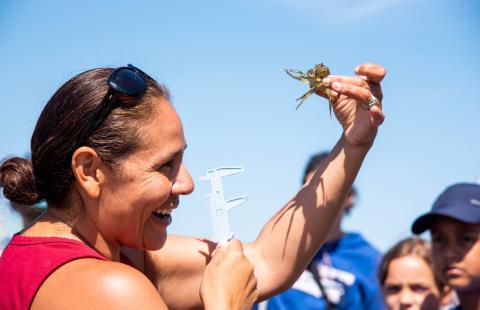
228	281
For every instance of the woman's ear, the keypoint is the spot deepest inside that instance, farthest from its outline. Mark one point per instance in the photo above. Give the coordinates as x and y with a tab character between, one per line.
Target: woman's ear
86	167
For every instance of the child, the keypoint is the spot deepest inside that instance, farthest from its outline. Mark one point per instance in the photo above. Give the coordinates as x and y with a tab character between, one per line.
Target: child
407	277
454	223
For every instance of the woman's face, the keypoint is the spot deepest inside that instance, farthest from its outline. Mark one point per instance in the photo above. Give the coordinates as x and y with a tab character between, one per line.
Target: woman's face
138	196
410	284
456	252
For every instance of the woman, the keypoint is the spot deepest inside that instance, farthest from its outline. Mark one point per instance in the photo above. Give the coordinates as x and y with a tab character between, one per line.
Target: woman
407	277
107	157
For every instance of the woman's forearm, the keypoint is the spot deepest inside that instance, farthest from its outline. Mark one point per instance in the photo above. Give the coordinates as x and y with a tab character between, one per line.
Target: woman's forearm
292	236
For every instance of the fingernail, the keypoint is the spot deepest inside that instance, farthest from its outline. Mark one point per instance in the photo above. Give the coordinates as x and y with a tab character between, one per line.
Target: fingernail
326	81
337	86
357	68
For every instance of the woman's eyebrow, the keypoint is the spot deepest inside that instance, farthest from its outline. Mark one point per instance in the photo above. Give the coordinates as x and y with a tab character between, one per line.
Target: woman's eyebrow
172	155
179	152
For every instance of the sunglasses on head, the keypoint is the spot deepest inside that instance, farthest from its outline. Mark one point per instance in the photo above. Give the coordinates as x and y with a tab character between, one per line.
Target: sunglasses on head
129	81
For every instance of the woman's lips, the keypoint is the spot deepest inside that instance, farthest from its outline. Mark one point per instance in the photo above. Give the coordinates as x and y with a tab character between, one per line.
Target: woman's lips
166	219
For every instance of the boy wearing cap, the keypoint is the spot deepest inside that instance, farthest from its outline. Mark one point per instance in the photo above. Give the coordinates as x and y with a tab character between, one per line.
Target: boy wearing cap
454	223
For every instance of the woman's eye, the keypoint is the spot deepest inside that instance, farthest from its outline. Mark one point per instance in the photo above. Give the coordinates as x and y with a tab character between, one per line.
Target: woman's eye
166	166
169	165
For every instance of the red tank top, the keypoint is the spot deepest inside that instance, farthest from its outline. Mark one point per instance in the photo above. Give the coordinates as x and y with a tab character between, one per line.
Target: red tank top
28	261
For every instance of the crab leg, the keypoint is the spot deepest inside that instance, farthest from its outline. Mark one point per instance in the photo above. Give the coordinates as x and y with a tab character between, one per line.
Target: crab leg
304	97
293	74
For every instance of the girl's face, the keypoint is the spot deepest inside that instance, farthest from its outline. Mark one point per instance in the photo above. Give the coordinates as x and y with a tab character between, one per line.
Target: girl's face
137	197
410	284
456	253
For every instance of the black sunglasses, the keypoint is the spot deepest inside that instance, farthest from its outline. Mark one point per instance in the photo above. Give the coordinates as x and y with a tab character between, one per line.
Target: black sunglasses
129	81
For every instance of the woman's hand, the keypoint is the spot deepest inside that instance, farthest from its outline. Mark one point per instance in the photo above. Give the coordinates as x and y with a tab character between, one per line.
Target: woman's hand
228	281
348	94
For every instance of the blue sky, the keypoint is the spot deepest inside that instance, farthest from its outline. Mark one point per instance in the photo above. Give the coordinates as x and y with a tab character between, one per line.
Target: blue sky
222	61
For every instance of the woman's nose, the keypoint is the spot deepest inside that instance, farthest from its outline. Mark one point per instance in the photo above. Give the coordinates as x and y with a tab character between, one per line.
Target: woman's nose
183	183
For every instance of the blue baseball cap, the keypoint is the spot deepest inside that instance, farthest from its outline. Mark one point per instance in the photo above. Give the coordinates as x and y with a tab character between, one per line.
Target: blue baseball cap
460	202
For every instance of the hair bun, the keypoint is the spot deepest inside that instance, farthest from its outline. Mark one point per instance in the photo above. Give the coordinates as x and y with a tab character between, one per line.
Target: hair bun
17	180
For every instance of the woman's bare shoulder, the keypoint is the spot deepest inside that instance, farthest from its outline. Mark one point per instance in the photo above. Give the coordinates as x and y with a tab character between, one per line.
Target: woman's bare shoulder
96	284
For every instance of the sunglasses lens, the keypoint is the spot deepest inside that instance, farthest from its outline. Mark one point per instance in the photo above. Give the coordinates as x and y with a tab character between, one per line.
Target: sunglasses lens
128	82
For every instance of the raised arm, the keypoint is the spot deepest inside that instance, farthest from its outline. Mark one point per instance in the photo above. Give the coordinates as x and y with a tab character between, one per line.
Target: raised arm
291	237
288	242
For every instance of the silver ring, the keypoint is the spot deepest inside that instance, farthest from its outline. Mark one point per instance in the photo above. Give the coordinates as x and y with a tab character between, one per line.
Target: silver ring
373	101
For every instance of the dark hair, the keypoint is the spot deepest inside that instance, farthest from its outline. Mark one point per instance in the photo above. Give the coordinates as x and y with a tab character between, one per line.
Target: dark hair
49	175
410	246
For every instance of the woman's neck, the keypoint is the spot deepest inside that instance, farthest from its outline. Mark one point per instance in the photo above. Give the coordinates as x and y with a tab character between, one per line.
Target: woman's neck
90	235
56	224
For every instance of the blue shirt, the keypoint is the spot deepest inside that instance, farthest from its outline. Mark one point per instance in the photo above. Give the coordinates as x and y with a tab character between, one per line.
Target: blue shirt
348	272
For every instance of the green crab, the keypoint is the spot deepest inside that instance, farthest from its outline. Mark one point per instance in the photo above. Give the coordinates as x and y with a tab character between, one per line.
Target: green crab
313	78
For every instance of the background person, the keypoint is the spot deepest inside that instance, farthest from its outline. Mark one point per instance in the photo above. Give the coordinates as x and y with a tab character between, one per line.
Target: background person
107	157
454	224
407	277
343	273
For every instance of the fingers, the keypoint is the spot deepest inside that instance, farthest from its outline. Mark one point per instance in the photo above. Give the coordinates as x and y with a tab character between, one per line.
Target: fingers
366	72
358	93
235	245
370	75
333	96
229	279
221	249
344	79
374	73
376	116
227	246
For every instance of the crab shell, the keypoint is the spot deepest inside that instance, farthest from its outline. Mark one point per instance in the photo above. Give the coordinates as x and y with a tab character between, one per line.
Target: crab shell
316	76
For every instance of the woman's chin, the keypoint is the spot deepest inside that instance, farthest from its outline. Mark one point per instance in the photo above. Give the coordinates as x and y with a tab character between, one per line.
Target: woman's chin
154	245
154	236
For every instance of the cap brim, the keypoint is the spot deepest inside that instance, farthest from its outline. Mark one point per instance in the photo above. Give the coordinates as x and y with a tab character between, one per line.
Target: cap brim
423	223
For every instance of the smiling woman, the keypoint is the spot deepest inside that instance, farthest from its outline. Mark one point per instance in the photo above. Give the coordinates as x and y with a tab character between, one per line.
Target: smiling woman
107	158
